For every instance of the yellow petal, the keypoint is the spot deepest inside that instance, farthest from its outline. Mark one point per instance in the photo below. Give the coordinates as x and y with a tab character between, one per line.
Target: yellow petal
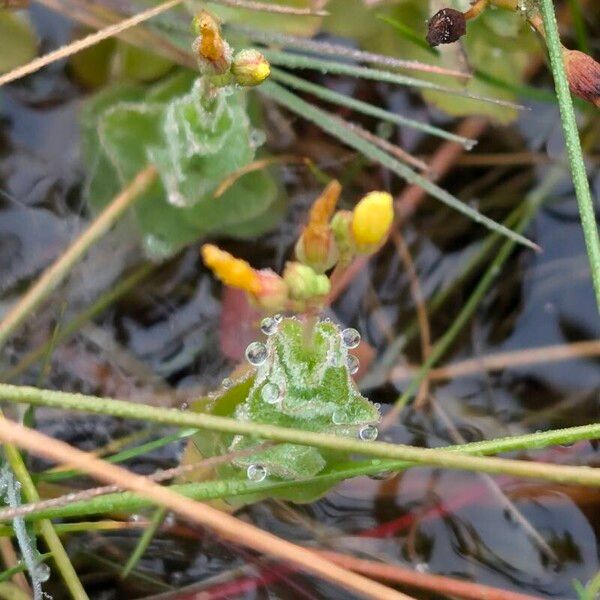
232	271
371	220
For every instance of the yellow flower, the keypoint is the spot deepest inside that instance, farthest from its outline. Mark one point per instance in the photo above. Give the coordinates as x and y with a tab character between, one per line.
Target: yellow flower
371	221
232	271
250	67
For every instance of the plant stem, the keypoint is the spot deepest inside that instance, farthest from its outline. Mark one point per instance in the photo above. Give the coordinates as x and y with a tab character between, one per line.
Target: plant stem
59	554
54	274
422	456
149	532
574	152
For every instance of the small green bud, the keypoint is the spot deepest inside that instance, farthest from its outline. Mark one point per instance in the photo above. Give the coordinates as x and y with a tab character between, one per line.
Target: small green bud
250	67
304	283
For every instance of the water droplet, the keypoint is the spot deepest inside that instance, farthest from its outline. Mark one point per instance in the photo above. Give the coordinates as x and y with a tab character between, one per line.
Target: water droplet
352	363
256	353
350	338
257	138
278	318
338	417
256	473
176	198
135	518
368	433
156	247
469	145
271	393
269	325
42	572
184	406
227	383
170	520
421	567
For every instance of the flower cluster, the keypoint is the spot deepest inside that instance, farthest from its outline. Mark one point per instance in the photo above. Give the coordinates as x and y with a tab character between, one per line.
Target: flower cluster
329	240
215	57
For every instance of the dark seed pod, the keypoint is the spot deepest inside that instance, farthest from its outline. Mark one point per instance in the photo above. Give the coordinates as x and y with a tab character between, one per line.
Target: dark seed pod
445	27
583	73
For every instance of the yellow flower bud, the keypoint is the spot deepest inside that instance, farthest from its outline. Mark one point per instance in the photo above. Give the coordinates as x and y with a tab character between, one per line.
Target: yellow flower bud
230	270
250	67
371	221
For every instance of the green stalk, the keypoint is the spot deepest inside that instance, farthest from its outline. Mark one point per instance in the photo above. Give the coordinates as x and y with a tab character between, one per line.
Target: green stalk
59	554
155	522
229	488
574	152
418	456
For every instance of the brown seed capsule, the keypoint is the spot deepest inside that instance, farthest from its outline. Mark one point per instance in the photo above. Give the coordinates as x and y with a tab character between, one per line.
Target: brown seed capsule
445	27
583	73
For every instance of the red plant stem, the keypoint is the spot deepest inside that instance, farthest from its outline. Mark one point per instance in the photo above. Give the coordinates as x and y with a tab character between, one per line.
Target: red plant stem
425	581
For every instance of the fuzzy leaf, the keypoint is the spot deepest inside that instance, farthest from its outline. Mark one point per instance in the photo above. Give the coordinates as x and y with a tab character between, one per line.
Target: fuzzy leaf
195	137
313	391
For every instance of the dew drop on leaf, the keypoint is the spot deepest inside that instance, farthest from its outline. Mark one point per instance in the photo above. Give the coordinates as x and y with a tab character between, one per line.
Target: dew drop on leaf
227	383
350	338
256	473
368	433
256	353
269	325
271	393
352	363
338	417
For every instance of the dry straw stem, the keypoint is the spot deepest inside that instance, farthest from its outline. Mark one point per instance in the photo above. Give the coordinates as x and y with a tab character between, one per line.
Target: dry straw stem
503	360
122	26
54	274
227	526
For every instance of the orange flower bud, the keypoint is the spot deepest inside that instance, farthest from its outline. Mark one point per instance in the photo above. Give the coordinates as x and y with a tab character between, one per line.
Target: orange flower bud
316	246
371	221
232	271
212	51
583	73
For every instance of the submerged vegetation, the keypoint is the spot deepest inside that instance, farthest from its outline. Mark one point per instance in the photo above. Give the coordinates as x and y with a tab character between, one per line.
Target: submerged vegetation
264	340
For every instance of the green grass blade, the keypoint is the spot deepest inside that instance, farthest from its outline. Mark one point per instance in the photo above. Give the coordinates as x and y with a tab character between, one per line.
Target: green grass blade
574	152
299	61
409	34
155	522
346	135
364	107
